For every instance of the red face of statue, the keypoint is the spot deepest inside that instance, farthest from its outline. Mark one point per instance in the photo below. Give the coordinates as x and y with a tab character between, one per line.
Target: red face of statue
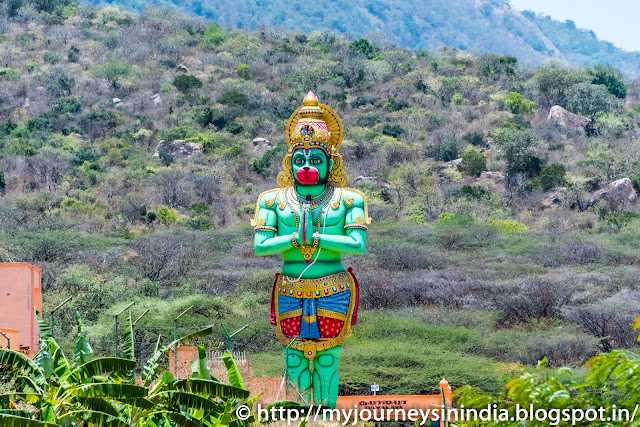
310	166
307	175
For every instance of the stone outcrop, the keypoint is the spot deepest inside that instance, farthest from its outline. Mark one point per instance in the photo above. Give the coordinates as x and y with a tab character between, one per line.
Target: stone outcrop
566	118
496	177
618	195
182	68
177	148
555	199
262	143
155	99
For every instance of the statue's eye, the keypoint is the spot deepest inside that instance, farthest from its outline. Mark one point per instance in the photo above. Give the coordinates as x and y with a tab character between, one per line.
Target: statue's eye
299	161
315	161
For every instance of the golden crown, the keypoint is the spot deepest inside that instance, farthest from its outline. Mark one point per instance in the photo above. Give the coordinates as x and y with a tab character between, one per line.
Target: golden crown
314	125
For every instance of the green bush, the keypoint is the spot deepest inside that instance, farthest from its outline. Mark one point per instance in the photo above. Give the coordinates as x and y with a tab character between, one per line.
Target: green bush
473	162
213	36
552	176
364	47
392	130
518	104
243	71
474	138
167	215
448	150
185	83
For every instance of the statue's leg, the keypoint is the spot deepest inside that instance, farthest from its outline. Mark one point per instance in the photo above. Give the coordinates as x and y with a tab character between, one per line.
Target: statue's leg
298	372
325	377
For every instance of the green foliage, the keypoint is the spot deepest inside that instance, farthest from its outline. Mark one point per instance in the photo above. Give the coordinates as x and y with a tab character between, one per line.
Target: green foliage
9	74
392	130
448	150
494	65
114	71
67	105
589	99
167	215
508	226
364	47
213	36
474	138
3	182
473	162
185	83
612	381
243	71
611	78
517	147
552	176
518	104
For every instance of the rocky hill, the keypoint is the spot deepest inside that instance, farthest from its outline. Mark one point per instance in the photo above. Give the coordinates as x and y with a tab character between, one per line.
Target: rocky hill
476	26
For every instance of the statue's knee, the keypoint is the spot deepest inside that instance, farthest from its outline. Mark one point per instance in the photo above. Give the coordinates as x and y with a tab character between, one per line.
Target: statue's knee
326	360
294	361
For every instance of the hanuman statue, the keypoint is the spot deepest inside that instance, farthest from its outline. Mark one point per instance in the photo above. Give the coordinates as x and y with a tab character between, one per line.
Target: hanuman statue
312	219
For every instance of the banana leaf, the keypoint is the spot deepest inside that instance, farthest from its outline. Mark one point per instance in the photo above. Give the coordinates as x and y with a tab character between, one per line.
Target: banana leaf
7	420
17	413
128	349
235	379
99	366
210	388
29	397
18	362
111	391
95	404
149	373
189	400
199	367
94	417
183	420
83	351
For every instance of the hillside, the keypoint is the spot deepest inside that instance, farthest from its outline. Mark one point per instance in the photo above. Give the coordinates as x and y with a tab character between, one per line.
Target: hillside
476	26
482	272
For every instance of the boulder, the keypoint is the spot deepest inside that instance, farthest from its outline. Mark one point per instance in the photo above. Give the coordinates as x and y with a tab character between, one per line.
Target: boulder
555	199
496	177
182	68
453	164
155	99
116	101
566	118
263	143
177	148
619	195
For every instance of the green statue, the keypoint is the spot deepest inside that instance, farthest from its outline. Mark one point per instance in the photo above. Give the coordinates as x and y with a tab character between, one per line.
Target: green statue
312	219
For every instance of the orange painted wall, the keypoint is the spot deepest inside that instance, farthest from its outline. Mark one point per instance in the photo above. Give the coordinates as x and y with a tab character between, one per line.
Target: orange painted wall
20	292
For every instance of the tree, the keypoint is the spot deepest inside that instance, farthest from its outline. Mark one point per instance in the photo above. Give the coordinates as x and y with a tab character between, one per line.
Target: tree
590	99
517	147
612	383
518	104
167	215
213	36
114	71
611	78
364	47
473	162
185	83
552	176
3	182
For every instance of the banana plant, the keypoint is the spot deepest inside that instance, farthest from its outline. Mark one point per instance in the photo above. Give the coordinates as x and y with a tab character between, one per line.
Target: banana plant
102	391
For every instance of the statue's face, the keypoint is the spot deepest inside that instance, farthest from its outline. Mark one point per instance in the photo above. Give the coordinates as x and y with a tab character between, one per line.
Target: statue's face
311	166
